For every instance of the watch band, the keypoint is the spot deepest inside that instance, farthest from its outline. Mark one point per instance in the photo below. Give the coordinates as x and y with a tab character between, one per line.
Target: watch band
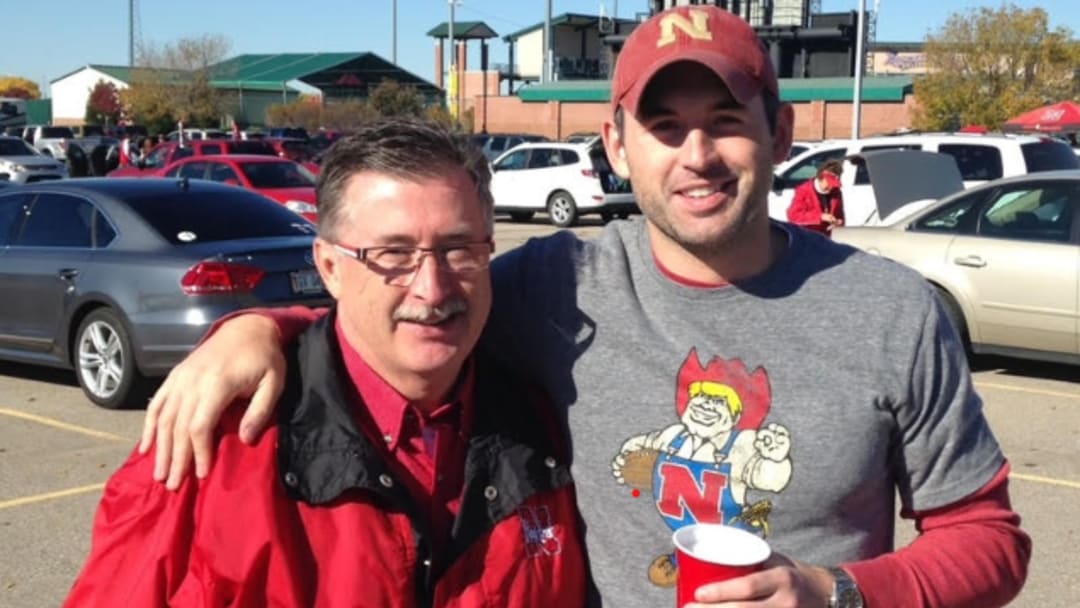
845	593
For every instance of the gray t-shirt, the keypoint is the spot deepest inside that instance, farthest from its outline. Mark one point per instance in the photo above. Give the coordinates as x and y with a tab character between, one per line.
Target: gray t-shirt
797	404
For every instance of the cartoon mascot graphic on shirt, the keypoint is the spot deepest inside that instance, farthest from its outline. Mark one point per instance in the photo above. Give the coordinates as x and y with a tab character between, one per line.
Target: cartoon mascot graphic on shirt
700	468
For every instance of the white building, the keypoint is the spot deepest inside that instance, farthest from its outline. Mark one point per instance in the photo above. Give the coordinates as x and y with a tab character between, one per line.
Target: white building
71	91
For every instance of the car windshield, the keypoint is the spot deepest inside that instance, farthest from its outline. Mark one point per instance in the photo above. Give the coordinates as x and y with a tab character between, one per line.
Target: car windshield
198	217
15	147
277	175
1049	155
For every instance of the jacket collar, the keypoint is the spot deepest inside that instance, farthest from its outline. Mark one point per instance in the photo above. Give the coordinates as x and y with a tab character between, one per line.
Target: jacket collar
322	453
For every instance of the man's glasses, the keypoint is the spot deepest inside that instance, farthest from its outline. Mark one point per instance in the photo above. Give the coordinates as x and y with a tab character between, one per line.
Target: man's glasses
398	263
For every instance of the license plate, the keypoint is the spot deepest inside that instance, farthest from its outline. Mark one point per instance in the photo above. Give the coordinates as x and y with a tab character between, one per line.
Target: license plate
306	281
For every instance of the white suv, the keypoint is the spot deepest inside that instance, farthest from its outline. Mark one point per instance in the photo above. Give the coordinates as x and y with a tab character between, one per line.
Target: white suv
980	158
566	180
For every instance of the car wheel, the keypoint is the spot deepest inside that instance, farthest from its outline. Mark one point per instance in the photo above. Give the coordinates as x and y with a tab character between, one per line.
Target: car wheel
562	210
606	216
105	362
521	216
956	317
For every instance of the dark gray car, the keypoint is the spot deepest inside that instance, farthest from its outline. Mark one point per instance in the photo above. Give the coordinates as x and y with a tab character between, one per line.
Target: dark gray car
119	278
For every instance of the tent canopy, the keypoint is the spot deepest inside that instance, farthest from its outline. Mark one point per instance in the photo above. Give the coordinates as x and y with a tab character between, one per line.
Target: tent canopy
1057	118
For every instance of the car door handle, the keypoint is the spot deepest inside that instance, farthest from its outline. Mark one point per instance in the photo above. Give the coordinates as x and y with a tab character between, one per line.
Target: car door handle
973	261
68	274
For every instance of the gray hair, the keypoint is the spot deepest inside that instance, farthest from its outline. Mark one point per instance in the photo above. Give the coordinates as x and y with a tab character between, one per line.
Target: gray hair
410	149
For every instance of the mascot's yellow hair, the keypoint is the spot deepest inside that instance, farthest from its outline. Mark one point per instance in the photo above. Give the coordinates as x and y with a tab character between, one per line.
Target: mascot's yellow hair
717	390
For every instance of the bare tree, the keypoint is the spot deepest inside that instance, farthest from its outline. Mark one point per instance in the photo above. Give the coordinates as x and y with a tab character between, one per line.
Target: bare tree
172	82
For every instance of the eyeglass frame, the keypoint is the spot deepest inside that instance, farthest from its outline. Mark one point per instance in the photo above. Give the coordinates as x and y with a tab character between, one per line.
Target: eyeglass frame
403	277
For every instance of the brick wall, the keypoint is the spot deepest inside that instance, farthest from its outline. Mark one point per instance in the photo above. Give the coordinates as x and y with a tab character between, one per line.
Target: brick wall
814	120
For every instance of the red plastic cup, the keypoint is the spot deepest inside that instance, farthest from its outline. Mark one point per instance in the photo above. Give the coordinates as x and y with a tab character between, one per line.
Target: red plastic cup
709	553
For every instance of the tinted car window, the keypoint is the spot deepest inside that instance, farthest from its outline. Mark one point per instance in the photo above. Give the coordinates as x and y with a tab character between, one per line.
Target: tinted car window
211	149
275	175
542	158
12	210
156	158
569	157
57	220
807	168
1048	155
959	217
976	162
220	172
193	170
57	132
197	217
103	230
514	160
184	152
15	147
1039	212
251	147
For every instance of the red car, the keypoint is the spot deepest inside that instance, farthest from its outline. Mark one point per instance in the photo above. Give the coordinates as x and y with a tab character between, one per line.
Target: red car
280	179
166	153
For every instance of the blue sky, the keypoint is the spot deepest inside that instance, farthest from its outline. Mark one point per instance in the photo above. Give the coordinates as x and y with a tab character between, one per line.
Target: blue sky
50	38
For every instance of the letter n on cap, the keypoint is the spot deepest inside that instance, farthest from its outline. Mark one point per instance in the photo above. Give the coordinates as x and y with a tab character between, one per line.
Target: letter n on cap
696	27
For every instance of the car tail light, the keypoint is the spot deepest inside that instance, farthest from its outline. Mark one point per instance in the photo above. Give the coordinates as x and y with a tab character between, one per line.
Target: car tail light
220	277
588	173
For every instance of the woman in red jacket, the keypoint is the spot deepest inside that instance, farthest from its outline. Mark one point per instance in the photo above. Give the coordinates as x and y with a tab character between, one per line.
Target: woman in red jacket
818	204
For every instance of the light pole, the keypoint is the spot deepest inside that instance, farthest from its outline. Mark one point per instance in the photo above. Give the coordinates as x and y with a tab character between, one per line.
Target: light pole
856	97
451	72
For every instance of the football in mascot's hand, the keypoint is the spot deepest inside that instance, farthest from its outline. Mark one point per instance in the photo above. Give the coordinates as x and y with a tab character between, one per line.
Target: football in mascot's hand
638	470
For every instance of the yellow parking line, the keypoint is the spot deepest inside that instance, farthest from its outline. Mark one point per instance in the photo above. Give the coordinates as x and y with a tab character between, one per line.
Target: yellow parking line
28	500
63	425
1020	389
1048	480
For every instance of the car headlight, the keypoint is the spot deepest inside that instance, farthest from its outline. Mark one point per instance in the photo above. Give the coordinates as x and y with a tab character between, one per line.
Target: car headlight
9	166
301	207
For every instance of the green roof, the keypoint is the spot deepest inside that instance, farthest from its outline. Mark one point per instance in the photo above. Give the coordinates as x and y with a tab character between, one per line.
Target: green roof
277	67
464	30
124	73
567	19
875	88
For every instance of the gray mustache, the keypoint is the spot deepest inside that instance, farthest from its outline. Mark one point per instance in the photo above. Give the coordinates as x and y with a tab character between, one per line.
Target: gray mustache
420	313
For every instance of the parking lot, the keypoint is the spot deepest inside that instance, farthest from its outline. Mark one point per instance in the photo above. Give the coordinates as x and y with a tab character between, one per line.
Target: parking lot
56	451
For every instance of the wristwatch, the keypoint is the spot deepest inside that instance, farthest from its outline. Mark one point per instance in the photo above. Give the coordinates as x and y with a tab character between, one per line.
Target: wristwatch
845	593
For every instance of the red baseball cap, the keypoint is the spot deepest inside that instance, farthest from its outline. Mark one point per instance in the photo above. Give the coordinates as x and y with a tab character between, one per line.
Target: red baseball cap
711	36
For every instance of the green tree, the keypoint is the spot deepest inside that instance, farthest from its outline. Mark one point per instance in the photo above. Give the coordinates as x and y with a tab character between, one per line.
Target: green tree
390	98
987	65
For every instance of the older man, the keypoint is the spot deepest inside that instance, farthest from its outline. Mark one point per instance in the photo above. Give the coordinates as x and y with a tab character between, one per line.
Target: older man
397	474
699	377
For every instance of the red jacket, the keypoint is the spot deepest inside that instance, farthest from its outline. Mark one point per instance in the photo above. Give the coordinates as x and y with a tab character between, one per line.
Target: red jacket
311	515
806	210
